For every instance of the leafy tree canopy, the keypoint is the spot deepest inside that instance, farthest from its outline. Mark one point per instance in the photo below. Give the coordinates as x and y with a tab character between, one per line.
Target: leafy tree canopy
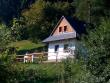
43	16
99	51
12	8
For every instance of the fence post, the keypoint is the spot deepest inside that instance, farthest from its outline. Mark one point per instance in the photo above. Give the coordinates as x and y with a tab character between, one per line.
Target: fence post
24	59
32	58
57	56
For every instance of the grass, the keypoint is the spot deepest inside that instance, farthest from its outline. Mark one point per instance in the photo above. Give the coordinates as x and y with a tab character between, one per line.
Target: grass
42	73
26	45
44	66
64	72
51	70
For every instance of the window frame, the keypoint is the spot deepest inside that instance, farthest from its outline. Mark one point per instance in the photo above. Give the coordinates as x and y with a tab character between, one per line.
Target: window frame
65	28
60	29
66	47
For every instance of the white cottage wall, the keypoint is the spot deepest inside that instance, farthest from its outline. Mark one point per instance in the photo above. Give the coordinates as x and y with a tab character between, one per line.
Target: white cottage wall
52	55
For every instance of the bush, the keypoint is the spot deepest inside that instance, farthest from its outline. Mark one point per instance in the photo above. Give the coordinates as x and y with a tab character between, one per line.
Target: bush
68	71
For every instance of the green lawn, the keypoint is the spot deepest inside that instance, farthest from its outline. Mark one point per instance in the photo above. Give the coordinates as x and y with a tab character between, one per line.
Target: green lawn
26	45
50	66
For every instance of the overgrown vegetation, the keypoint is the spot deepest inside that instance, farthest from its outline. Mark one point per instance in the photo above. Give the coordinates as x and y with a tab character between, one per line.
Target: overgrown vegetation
27	46
25	23
99	51
69	71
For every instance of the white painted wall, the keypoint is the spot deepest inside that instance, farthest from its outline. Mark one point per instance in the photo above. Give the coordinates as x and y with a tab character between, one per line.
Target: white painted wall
52	55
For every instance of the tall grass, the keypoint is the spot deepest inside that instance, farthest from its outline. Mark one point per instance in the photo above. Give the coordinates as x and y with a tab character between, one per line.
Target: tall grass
67	71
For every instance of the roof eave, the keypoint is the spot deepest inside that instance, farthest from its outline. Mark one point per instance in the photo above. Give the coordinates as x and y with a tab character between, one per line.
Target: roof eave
56	40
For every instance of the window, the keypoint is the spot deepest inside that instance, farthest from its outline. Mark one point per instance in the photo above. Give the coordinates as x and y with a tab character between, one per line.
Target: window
66	47
60	29
65	28
56	48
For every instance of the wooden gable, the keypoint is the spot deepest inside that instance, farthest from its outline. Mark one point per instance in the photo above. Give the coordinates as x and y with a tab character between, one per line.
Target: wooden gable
63	26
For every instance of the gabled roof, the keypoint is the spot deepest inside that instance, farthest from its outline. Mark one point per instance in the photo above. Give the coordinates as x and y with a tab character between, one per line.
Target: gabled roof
77	25
57	24
60	37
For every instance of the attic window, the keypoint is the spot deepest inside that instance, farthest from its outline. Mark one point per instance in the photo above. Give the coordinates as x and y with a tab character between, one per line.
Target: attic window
60	29
65	28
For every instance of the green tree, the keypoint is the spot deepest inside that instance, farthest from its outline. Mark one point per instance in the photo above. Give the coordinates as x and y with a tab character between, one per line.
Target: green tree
43	16
5	36
83	10
91	11
99	51
12	8
18	29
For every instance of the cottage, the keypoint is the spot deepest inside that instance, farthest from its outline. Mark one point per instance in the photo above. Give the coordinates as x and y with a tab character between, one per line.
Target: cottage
63	40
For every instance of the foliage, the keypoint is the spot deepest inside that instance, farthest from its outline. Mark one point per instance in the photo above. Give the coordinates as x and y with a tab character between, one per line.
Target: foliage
26	46
69	71
36	23
5	36
18	30
92	11
82	10
42	17
10	70
75	72
99	51
12	8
